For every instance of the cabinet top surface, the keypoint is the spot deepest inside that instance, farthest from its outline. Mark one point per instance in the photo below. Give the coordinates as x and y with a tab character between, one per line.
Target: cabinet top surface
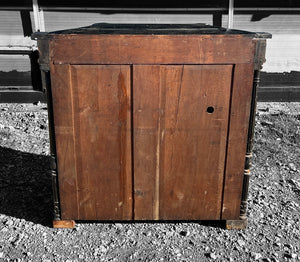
150	29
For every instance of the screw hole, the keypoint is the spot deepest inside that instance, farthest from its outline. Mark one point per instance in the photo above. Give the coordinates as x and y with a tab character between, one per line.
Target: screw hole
210	110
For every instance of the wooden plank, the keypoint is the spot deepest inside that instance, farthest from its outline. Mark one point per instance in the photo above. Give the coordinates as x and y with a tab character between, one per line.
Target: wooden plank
194	141
63	223
179	148
146	88
64	135
102	133
237	140
151	49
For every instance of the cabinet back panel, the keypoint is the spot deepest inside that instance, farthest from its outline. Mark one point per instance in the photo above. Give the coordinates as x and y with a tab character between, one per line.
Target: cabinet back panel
102	141
180	119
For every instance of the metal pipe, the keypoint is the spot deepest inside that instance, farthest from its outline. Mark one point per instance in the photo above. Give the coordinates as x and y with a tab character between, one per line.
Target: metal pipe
38	17
230	14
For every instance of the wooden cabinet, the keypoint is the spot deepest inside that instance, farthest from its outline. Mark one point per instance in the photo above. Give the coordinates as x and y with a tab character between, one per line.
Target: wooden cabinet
151	122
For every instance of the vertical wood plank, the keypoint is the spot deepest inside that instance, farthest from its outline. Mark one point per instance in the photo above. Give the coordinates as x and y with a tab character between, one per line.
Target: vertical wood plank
102	130
64	135
194	143
237	140
146	86
179	147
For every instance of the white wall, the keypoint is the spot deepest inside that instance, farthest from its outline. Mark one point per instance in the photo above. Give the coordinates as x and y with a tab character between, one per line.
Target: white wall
283	50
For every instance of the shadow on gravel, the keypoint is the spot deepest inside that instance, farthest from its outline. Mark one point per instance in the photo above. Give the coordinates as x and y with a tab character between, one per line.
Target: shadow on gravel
26	190
25	186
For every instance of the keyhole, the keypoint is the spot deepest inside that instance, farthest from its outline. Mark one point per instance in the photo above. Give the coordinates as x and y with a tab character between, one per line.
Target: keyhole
210	110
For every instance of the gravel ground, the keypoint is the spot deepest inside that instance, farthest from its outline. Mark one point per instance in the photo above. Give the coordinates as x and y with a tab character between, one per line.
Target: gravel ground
273	232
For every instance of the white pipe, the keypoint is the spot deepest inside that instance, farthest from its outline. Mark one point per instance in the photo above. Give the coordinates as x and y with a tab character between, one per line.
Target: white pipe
42	20
230	14
35	9
38	17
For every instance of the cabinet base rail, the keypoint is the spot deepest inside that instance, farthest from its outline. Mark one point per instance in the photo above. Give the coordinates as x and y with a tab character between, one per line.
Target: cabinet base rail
63	223
230	224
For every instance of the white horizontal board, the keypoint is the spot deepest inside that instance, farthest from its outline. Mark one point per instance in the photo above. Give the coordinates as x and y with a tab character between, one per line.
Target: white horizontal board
61	20
10	23
283	50
20	63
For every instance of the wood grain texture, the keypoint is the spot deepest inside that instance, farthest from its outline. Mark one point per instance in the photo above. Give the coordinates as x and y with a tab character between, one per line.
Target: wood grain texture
146	88
63	223
179	148
237	140
151	49
65	144
93	141
194	143
178	104
102	123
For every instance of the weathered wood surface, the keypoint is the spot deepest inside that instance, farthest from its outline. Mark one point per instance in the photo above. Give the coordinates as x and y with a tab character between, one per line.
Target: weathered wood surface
94	144
179	105
179	148
65	144
63	223
151	49
146	88
237	140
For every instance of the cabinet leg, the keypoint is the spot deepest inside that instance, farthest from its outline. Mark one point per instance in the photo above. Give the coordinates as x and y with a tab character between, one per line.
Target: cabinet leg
237	224
63	223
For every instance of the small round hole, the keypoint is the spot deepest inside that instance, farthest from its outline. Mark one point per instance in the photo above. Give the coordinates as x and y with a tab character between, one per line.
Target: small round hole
210	110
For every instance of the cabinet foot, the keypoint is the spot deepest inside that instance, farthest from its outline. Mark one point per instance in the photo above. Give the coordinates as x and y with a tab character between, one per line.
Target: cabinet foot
237	224
63	223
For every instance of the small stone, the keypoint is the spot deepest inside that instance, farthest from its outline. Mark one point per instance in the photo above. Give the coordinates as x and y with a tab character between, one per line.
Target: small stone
257	256
241	242
130	232
294	256
9	223
292	167
102	249
177	250
267	123
81	256
1	254
213	255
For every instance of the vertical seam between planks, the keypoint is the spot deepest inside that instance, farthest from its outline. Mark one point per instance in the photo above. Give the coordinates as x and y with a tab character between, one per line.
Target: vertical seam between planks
158	141
132	143
74	140
227	140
